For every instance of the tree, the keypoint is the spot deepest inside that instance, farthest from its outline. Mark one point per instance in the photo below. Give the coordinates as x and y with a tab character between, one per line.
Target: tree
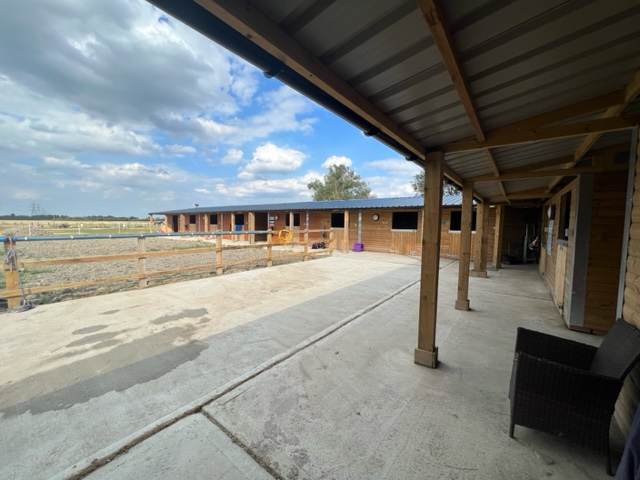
418	186
340	183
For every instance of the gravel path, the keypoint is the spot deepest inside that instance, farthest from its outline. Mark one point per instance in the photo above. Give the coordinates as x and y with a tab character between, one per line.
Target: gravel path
62	274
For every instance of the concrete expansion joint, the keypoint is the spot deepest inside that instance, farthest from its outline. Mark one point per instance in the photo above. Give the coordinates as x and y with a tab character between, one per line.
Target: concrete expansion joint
90	464
258	459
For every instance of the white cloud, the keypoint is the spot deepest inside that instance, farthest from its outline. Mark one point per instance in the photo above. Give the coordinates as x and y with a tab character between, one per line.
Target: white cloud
269	159
179	150
202	190
394	166
337	160
270	190
397	181
232	157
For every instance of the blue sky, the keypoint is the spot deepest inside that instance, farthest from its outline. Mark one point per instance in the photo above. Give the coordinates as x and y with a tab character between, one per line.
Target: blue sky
114	108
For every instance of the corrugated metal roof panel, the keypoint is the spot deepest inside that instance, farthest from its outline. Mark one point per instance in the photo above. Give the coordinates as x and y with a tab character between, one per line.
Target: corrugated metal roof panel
519	59
366	203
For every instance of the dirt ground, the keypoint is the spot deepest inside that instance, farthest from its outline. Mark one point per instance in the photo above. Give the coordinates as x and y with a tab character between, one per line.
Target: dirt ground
61	274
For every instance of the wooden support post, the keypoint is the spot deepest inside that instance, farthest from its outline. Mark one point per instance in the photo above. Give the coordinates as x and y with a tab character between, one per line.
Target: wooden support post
234	237
426	352
462	302
497	239
306	237
482	237
269	248
219	269
346	231
142	263
252	227
331	241
207	224
150	223
11	276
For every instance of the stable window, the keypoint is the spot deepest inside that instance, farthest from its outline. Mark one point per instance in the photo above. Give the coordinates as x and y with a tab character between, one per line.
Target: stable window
404	221
192	219
213	219
455	224
296	220
565	217
337	220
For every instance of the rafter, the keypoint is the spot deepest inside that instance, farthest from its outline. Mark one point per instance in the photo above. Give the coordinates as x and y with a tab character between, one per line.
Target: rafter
248	20
565	113
434	17
496	172
552	173
544	133
631	92
533	193
435	20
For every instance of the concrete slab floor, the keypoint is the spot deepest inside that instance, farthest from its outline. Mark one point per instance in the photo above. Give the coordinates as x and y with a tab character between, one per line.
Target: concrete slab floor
80	376
354	405
351	405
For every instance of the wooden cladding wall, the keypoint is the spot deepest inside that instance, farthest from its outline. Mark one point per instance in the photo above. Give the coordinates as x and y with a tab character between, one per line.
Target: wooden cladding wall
605	244
550	267
630	395
376	235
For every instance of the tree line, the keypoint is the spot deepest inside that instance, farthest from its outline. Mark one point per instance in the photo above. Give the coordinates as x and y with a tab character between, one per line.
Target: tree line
342	183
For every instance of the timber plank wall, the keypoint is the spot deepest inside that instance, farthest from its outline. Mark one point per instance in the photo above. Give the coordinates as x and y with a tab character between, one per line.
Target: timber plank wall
630	395
605	250
376	235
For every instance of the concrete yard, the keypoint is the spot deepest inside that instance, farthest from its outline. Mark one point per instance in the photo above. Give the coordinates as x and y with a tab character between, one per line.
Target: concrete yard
301	371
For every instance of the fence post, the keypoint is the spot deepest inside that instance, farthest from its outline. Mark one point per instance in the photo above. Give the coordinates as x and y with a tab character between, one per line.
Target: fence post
11	276
331	242
269	243
142	263
219	268
306	245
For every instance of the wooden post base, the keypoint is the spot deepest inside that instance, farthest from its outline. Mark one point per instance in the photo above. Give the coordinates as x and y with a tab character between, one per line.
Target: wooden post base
474	273
462	305
426	358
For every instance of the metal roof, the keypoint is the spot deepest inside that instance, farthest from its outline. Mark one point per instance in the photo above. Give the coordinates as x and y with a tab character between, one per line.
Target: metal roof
367	203
377	64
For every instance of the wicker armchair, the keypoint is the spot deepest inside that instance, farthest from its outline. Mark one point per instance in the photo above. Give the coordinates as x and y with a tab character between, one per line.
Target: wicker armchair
569	389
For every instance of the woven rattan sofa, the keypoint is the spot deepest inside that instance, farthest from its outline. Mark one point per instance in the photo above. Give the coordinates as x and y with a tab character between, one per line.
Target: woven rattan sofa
569	389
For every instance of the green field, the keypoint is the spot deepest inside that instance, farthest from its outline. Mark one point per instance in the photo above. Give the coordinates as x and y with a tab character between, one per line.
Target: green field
47	228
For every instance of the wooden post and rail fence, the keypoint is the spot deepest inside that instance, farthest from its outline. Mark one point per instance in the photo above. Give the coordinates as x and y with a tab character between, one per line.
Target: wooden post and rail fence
12	264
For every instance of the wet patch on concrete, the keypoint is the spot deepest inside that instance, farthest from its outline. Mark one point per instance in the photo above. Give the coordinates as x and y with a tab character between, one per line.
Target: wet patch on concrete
98	337
91	329
134	363
109	312
189	313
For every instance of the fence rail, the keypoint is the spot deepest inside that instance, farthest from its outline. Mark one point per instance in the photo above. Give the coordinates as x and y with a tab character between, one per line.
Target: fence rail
14	292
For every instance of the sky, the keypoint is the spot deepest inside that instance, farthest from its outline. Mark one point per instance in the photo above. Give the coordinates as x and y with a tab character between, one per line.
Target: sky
115	108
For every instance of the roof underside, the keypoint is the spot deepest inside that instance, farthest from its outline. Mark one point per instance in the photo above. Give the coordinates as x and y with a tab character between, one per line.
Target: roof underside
386	66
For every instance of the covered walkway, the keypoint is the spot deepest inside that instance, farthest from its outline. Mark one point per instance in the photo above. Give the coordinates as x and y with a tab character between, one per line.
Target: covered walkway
305	371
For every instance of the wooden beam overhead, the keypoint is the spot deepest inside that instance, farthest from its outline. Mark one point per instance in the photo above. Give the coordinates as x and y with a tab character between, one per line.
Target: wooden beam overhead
496	172
249	21
553	162
544	133
538	193
565	113
434	17
551	173
630	93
